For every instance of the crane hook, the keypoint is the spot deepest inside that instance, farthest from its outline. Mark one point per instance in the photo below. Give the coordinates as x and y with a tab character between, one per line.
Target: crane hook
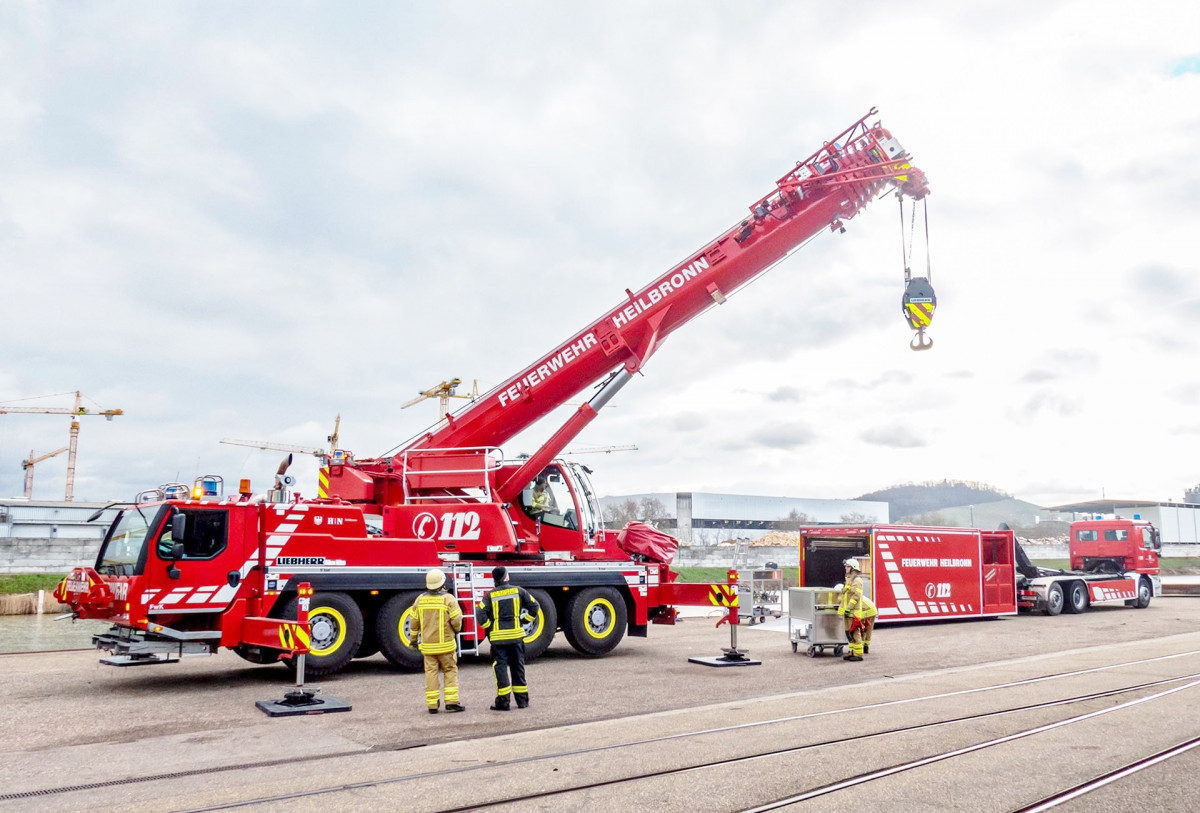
918	306
921	341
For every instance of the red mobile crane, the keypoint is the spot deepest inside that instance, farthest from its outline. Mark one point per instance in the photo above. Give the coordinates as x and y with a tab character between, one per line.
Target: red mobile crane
184	576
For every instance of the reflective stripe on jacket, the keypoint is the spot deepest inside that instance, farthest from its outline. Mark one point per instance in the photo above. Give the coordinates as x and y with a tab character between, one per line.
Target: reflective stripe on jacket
436	620
501	611
853	600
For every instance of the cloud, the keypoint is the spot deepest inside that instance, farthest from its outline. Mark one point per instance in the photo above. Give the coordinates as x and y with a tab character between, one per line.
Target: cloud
783	436
894	436
786	395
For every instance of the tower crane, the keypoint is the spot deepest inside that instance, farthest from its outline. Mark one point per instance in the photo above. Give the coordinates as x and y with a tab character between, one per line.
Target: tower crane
31	462
444	392
287	447
279	447
78	410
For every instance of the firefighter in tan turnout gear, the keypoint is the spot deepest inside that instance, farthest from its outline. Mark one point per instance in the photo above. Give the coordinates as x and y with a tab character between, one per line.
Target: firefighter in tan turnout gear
500	615
859	612
436	621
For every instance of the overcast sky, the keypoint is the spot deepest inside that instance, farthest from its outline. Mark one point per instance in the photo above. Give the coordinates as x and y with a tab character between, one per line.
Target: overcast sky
238	220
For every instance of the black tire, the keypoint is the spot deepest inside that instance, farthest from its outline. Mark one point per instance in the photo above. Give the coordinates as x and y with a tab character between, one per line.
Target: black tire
393	628
336	626
596	621
1145	593
1077	598
1054	600
540	632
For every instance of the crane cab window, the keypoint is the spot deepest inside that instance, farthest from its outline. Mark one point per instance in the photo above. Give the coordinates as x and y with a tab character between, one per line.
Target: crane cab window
1086	536
1116	535
549	498
205	536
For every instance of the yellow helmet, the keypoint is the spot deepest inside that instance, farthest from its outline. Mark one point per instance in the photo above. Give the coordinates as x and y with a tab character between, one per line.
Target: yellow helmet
434	579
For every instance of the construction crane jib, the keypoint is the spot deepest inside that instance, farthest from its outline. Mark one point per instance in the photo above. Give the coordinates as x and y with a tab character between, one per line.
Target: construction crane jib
78	410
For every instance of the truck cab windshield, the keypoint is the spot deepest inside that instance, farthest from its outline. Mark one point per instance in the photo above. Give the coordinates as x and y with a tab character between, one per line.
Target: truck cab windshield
123	553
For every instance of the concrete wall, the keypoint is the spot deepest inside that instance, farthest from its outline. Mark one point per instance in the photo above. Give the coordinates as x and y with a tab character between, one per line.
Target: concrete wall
42	536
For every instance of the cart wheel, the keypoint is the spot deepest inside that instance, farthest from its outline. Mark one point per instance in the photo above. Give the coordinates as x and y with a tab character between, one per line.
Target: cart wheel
795	646
812	652
837	650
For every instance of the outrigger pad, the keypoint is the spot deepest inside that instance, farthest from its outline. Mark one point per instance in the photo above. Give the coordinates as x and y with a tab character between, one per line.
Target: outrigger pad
301	702
732	657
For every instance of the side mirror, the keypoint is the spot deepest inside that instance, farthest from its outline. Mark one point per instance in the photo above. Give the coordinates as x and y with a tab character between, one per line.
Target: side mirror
178	551
173	572
179	526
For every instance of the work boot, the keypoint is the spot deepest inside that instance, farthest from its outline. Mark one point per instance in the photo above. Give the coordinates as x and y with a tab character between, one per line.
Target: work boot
866	649
453	707
434	710
500	706
522	702
852	658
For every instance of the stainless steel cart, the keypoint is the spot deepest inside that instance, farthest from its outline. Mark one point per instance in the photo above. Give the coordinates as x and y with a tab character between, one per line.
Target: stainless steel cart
761	596
813	620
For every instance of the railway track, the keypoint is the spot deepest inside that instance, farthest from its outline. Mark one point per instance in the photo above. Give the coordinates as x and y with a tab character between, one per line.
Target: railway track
1113	700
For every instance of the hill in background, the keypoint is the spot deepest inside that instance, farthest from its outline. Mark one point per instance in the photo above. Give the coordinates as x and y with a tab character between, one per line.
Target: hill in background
921	499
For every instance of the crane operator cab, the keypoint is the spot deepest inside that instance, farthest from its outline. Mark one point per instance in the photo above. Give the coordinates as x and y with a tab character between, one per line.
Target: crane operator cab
562	504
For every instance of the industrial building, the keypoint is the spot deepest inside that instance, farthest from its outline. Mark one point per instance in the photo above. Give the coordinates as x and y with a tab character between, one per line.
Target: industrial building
701	518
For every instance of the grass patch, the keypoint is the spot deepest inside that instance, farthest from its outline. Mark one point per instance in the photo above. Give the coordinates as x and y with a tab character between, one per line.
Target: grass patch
29	582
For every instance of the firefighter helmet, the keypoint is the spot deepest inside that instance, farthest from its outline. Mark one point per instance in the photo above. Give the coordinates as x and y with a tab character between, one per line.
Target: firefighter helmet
434	579
852	564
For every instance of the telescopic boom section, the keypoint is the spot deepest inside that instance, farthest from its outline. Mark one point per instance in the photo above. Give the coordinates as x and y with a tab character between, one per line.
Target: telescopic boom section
822	191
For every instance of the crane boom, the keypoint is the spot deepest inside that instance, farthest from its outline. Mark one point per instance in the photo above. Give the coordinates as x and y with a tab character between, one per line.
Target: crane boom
823	191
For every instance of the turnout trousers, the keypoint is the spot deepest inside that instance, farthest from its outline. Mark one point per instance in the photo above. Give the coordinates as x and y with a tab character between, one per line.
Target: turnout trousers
508	658
447	664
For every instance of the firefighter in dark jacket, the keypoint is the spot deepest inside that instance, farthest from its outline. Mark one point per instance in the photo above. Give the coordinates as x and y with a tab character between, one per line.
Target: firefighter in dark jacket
500	615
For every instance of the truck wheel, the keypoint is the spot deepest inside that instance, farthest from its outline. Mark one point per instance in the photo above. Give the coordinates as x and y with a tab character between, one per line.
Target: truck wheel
1077	598
336	631
394	628
596	619
1145	593
540	631
1054	599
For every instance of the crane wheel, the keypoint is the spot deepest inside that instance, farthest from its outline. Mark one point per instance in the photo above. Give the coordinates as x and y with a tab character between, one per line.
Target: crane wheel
336	631
393	628
540	631
596	620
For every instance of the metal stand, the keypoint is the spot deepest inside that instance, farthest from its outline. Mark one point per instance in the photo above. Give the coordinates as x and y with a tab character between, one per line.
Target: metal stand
301	700
732	657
